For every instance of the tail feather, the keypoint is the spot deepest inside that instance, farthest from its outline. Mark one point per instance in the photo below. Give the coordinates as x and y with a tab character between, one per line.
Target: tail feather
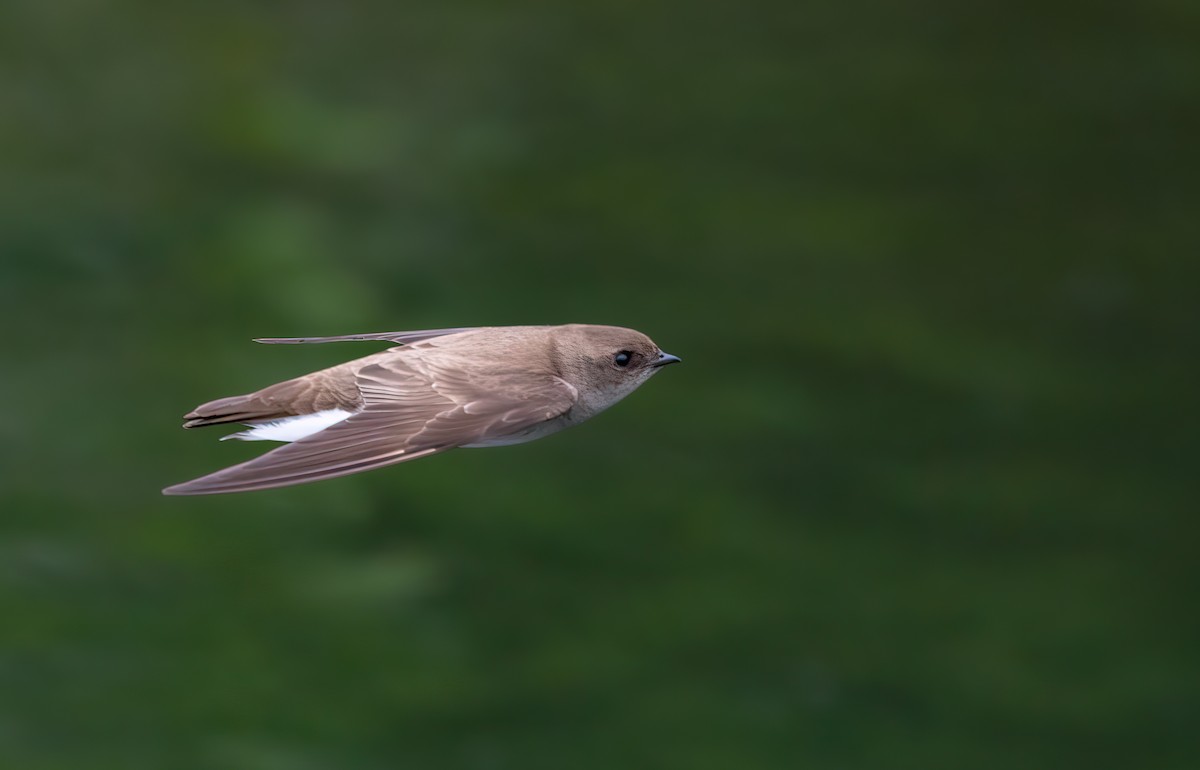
332	388
237	409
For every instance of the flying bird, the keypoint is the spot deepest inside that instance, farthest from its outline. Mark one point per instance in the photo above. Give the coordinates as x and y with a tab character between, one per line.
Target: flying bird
434	390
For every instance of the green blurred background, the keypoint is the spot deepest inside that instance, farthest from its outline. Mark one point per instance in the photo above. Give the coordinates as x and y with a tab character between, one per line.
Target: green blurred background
921	495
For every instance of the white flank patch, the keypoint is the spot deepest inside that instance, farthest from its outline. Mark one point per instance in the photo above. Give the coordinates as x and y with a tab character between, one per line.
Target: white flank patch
292	428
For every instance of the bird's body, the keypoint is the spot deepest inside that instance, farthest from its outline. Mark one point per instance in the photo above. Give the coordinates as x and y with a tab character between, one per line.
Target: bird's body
439	389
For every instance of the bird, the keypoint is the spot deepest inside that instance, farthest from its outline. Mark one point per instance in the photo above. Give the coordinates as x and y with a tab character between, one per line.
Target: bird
433	390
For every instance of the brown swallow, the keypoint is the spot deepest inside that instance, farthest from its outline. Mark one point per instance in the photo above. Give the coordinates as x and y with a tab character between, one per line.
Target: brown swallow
436	390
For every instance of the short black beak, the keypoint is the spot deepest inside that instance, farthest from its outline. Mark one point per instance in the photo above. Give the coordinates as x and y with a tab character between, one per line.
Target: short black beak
666	358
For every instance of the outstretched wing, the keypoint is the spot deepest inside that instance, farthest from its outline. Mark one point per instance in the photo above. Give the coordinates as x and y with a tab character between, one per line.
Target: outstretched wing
411	409
400	338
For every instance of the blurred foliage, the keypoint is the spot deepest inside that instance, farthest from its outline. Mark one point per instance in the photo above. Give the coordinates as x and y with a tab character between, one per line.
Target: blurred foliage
922	494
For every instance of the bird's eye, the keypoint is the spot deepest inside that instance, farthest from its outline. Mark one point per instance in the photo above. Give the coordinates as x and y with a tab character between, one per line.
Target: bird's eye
623	358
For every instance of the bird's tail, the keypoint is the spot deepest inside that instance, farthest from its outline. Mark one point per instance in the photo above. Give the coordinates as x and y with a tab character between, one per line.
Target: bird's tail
247	408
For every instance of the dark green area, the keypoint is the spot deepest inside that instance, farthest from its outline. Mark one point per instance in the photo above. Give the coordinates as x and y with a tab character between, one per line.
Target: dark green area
921	495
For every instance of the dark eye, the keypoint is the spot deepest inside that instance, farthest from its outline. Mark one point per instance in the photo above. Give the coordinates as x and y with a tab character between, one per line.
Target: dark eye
623	358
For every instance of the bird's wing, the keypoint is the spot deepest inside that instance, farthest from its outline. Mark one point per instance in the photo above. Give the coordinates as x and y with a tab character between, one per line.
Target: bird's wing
411	408
400	338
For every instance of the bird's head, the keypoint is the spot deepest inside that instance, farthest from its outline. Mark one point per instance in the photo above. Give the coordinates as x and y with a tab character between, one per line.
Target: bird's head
609	360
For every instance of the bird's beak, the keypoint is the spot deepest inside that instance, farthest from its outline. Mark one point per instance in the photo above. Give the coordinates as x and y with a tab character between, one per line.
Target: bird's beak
664	359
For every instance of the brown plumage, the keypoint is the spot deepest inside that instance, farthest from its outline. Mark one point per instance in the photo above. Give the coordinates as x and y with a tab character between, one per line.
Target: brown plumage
436	390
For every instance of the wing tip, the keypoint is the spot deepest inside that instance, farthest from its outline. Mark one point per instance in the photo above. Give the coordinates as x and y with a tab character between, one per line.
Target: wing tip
189	488
396	338
194	488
